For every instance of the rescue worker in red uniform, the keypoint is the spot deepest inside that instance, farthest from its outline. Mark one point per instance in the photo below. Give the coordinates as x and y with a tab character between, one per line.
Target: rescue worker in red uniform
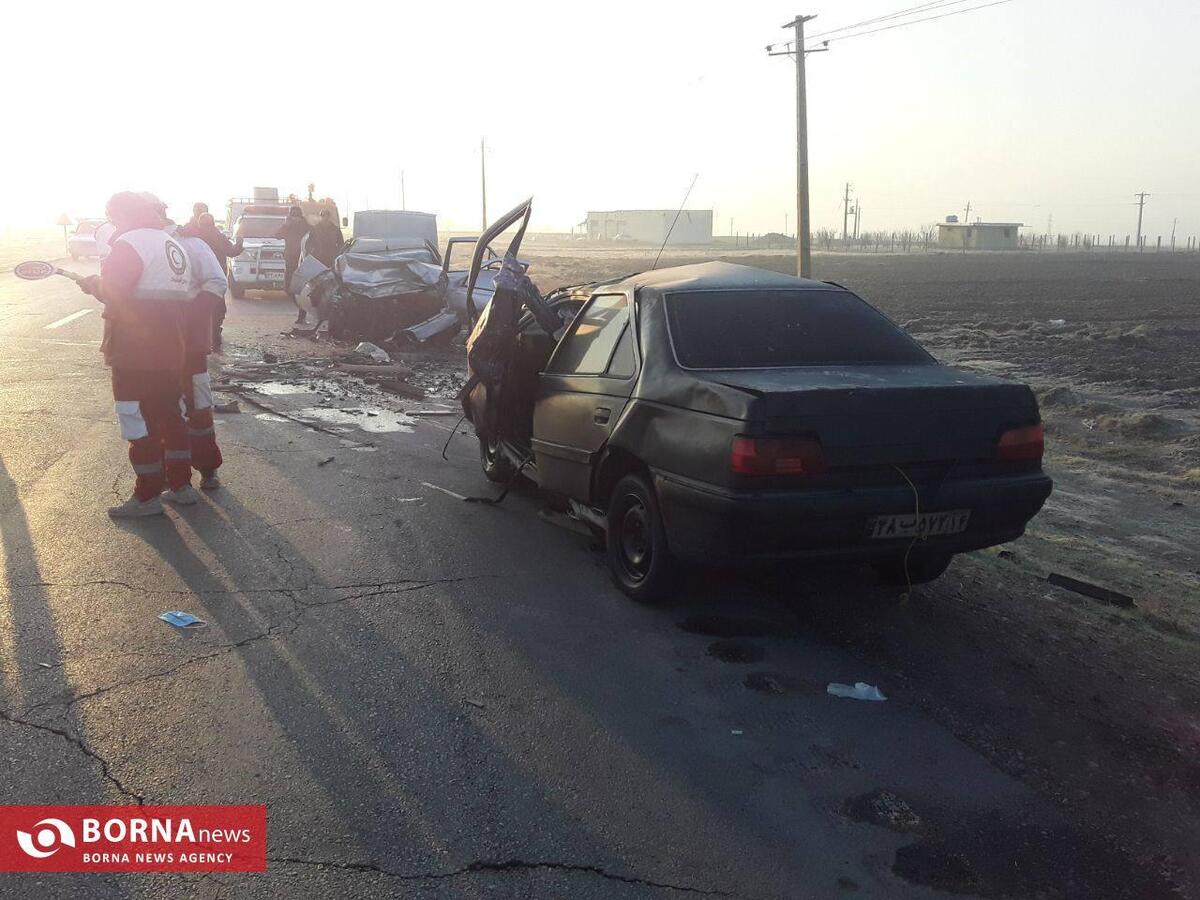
208	286
145	286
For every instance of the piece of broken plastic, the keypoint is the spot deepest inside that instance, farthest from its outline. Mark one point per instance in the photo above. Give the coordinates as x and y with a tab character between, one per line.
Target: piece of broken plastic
366	348
181	619
860	691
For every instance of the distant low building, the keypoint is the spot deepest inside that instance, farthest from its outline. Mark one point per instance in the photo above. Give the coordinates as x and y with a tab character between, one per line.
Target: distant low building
955	235
651	225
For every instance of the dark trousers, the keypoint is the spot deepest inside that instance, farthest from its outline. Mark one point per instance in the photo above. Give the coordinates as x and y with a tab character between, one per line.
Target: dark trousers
198	410
151	418
218	318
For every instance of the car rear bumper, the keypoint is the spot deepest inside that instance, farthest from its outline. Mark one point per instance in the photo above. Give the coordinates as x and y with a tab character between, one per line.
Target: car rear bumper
705	524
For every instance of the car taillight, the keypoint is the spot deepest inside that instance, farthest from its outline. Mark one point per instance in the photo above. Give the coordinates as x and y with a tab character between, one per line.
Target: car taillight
1026	442
776	456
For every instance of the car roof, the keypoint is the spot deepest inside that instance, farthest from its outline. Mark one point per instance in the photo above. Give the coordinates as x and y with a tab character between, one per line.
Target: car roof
714	276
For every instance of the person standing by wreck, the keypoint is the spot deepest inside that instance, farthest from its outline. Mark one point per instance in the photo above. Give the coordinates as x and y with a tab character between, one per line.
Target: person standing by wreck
145	286
326	241
295	229
203	226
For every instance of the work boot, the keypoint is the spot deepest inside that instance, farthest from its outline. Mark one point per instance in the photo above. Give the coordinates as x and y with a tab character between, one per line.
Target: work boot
181	496
209	481
302	317
133	508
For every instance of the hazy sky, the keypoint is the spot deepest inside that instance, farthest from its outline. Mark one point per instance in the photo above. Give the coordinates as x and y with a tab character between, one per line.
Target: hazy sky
1028	109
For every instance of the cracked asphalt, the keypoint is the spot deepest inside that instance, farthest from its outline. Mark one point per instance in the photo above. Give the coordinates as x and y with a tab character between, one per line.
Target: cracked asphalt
433	698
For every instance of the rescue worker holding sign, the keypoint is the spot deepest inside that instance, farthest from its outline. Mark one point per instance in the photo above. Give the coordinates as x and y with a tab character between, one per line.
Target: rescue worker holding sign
145	284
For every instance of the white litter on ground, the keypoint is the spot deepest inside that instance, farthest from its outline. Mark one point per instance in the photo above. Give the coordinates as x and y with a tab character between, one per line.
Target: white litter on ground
860	691
444	490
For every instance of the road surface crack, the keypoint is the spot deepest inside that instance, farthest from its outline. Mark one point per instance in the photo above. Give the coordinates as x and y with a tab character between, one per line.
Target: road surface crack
507	865
283	628
82	746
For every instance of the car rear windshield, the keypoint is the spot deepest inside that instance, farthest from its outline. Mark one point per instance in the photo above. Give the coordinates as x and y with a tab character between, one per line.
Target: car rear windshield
258	226
766	329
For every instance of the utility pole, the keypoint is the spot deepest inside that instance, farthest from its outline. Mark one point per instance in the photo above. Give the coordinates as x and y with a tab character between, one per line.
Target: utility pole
803	225
785	217
1141	205
1174	222
857	211
483	179
845	212
967	215
403	199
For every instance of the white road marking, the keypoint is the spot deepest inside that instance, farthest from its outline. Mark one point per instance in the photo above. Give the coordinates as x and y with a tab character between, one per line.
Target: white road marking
444	490
71	318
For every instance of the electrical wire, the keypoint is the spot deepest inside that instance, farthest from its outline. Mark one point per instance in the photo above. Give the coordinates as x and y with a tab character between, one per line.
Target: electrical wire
916	537
957	12
789	46
900	13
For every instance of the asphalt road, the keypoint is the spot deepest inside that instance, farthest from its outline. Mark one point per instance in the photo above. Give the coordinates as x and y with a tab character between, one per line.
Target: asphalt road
441	699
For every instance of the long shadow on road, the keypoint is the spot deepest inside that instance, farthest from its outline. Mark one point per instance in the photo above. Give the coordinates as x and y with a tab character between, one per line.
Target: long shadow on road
32	656
415	784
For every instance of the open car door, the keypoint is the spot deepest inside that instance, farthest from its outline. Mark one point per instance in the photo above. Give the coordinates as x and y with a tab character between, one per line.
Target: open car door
493	339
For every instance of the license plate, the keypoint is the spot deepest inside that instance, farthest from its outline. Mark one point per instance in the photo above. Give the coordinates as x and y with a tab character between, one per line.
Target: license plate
907	525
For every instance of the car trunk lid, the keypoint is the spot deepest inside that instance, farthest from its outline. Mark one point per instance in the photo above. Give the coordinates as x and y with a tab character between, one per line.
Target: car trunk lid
884	415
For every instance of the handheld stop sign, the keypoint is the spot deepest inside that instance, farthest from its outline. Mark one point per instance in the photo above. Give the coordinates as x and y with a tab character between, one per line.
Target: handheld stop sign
36	270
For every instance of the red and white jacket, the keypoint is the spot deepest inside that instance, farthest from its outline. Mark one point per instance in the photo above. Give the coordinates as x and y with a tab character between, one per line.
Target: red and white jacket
145	284
208	284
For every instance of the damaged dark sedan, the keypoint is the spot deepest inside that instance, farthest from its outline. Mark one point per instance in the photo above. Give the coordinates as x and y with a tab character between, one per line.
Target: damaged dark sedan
721	413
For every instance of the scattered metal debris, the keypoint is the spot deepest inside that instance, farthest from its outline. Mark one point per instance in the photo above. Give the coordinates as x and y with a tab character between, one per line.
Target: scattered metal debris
377	353
1091	590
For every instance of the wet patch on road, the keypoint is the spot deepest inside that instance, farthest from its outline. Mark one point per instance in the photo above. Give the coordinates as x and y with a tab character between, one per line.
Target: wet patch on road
735	651
369	419
732	626
764	683
885	809
992	858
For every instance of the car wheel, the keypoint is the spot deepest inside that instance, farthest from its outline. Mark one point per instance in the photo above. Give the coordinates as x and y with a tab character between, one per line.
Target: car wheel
922	567
236	290
638	557
496	466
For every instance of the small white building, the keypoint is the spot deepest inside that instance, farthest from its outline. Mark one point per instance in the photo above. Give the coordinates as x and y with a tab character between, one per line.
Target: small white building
978	235
651	226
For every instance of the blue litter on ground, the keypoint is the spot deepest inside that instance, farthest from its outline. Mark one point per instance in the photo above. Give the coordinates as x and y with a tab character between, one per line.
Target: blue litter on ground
181	619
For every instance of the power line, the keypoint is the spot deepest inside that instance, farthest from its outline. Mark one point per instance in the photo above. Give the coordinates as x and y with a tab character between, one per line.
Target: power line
957	12
923	7
910	11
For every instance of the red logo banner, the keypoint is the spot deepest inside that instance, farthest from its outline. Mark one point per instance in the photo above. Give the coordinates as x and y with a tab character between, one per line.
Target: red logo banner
133	838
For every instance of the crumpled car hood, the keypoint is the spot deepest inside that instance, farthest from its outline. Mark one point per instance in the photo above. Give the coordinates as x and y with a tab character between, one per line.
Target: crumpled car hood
387	273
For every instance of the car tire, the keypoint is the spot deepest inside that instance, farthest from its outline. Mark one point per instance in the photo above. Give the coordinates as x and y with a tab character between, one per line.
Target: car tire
496	466
636	541
922	567
236	291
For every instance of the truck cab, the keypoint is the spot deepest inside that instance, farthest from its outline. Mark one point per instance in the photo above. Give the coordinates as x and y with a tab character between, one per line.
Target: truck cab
261	266
256	221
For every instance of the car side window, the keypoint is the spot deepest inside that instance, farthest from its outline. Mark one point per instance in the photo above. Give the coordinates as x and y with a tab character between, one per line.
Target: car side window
623	364
588	347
